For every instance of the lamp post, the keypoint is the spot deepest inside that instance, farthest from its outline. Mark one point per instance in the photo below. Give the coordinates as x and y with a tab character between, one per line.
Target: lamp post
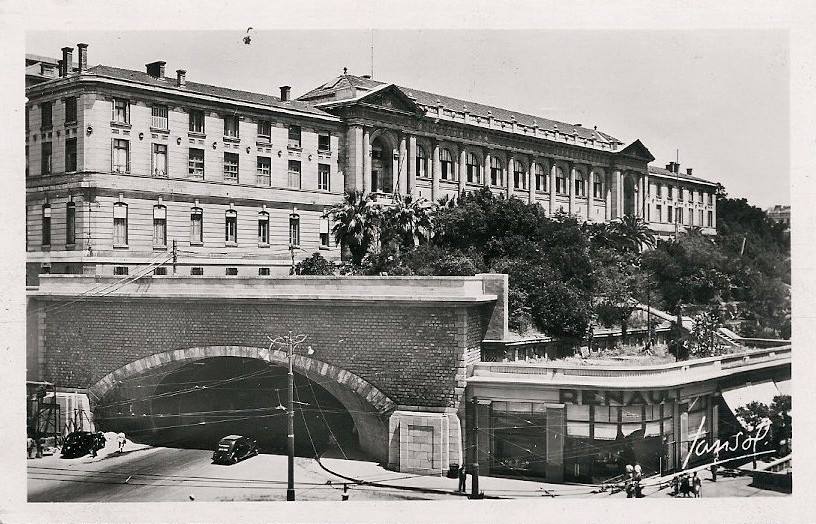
291	341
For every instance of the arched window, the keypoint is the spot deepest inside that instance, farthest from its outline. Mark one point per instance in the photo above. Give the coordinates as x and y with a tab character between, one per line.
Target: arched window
263	228
597	185
120	224
421	162
496	172
159	226
540	177
231	227
473	166
446	163
580	184
519	175
560	181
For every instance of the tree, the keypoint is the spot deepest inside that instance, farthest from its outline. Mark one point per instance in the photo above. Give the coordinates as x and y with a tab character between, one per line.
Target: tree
408	221
705	342
353	225
631	233
314	265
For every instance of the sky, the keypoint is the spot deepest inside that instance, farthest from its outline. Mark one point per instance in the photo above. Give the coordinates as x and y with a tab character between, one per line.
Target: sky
720	97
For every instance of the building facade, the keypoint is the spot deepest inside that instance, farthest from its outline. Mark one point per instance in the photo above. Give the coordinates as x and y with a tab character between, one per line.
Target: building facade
131	172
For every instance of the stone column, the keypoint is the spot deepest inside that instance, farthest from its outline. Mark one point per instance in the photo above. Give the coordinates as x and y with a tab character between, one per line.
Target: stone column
486	172
571	188
354	156
714	208
553	167
366	161
590	191
402	181
412	152
508	184
531	179
646	196
461	170
436	168
638	196
619	193
608	194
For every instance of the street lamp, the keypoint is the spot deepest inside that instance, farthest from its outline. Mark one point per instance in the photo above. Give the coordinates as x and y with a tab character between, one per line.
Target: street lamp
291	341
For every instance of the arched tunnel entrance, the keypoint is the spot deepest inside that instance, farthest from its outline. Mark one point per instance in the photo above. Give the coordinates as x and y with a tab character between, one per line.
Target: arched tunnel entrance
192	403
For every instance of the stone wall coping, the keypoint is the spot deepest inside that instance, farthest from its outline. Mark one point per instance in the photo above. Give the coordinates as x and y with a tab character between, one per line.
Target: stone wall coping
306	288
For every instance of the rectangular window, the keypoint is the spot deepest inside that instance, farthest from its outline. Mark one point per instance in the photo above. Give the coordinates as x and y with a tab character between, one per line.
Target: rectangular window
121	156
669	191
158	117
264	130
46	225
325	238
294	174
263	272
231	227
196	271
196	226
231	126
232	271
120	271
159	226
659	190
70	110
45	167
160	160
294	136
264	173
70	223
70	155
579	187
26	155
196	121
160	271
700	217
231	167
669	215
45	112
710	198
709	219
294	230
680	194
263	228
120	225
659	212
195	163
323	176
324	142
597	188
679	215
121	111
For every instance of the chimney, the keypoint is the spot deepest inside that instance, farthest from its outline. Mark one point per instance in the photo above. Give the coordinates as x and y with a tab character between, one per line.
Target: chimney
285	93
688	171
82	51
181	79
48	68
155	69
670	167
67	61
676	167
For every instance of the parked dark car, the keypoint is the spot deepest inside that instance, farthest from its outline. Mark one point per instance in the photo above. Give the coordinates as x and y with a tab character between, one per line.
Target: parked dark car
234	448
80	443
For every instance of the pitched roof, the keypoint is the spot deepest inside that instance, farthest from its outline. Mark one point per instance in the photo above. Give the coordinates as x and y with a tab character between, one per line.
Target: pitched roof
204	89
665	172
432	100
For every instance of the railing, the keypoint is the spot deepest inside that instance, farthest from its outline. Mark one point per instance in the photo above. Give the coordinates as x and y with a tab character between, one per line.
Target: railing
710	365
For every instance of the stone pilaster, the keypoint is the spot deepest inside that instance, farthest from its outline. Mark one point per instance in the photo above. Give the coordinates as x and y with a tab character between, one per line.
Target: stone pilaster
402	177
366	161
436	168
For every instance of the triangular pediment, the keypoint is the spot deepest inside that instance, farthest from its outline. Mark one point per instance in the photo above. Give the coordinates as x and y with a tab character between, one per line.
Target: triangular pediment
392	98
637	150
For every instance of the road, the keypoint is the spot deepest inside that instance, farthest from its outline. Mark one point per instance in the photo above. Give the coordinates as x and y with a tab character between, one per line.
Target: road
171	474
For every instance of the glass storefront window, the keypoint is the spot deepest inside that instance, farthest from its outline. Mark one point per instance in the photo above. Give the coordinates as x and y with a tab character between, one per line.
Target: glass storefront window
577	429
577	412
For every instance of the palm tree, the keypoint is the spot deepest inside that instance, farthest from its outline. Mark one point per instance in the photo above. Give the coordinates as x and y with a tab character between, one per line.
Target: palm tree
409	220
631	233
354	224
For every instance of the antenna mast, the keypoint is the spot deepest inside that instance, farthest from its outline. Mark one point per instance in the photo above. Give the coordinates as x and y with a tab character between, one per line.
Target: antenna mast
677	181
372	53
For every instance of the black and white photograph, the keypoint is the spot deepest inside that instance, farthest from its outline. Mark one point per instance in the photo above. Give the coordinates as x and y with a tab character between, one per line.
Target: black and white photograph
320	266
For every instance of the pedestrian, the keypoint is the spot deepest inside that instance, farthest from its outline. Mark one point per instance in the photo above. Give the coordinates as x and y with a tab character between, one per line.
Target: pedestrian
715	466
697	485
31	447
121	440
462	478
628	477
684	485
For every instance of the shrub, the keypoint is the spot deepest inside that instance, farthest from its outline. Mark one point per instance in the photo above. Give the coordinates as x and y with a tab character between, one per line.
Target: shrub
314	265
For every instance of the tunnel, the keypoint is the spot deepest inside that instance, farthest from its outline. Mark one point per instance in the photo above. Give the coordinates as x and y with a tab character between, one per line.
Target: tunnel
192	403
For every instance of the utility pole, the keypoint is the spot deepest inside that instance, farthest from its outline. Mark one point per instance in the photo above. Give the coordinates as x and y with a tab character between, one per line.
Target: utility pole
175	256
291	342
677	181
474	482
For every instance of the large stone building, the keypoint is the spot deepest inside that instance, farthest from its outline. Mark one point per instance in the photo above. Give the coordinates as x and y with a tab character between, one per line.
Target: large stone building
131	172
